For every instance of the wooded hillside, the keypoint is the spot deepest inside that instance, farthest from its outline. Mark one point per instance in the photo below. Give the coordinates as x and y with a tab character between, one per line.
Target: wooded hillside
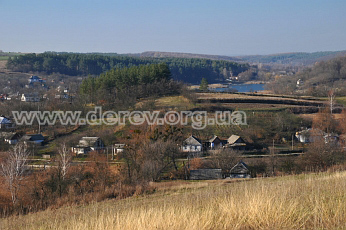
316	81
287	59
190	70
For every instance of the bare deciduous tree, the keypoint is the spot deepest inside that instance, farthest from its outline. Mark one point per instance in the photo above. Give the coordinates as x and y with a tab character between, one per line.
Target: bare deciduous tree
322	155
65	158
150	160
224	159
157	157
331	101
14	167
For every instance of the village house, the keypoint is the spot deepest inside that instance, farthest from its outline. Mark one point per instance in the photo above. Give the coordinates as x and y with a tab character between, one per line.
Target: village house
3	97
315	135
33	139
34	79
12	138
13	96
240	170
88	144
6	123
214	143
236	142
62	89
30	97
192	144
299	82
309	135
63	93
62	96
233	78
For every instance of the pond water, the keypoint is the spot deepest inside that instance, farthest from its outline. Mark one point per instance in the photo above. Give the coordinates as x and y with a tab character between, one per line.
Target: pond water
242	88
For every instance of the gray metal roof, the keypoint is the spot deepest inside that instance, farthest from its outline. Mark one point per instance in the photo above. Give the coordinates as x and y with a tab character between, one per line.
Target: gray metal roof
5	120
240	168
33	137
192	140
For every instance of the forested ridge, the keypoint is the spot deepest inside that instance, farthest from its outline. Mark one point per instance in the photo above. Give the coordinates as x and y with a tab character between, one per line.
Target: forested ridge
295	58
190	70
291	59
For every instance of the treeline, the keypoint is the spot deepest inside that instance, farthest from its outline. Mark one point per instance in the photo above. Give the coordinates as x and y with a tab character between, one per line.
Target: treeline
316	81
189	70
70	64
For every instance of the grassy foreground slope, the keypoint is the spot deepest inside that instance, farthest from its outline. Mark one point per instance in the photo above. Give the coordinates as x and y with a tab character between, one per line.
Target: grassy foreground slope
314	201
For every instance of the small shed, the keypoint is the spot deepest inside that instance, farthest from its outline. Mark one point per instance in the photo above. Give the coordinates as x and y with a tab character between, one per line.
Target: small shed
240	170
205	174
118	148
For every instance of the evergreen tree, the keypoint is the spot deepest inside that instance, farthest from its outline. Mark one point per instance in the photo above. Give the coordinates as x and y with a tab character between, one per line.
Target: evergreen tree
204	85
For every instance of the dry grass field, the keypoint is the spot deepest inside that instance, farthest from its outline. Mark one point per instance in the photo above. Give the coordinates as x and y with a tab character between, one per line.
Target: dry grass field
2	65
341	100
173	101
336	116
312	201
273	97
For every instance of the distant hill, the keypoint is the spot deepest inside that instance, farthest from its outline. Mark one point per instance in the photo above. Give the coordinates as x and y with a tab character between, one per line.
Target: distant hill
298	58
154	54
295	59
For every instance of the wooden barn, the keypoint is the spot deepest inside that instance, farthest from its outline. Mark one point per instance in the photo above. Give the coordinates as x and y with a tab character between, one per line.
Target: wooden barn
240	170
205	174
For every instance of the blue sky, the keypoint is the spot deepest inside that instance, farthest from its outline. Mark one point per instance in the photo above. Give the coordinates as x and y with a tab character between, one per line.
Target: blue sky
223	27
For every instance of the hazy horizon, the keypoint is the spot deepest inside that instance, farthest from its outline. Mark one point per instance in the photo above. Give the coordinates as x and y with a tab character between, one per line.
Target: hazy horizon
229	55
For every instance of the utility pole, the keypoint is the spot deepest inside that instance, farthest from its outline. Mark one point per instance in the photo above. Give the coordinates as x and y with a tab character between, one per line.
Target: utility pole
107	153
292	141
273	158
39	121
